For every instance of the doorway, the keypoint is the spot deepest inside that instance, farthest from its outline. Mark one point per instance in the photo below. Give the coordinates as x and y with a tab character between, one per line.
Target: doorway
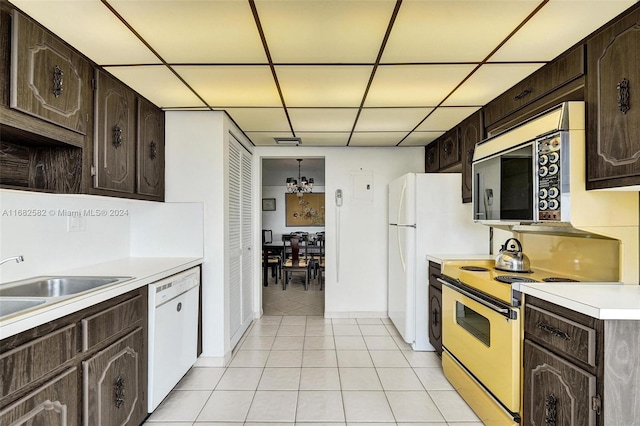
297	210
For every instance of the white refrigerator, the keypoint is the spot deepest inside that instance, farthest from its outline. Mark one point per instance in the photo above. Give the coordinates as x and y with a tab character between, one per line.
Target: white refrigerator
426	217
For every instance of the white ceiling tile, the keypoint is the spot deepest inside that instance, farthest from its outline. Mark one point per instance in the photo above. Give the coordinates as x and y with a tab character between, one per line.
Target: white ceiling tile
323	138
452	31
227	86
488	82
322	119
445	118
376	138
414	85
158	84
260	119
324	31
390	119
421	138
190	31
323	86
557	26
91	28
267	138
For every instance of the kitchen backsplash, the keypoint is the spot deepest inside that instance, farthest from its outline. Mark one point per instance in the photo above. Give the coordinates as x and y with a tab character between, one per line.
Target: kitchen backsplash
57	232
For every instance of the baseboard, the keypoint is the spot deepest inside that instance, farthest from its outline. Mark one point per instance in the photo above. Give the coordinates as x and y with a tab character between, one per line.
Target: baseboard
356	314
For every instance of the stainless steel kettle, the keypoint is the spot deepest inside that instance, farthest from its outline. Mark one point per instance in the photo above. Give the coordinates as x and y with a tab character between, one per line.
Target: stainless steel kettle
511	258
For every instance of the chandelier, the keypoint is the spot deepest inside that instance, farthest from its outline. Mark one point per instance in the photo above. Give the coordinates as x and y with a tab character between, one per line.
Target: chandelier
301	185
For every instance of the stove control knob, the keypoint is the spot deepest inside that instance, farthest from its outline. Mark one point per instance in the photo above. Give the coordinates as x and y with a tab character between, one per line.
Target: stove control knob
542	194
553	169
554	157
553	192
542	205
543	171
553	204
543	159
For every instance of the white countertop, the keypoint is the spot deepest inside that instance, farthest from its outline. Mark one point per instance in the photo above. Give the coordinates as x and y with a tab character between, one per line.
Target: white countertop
145	270
439	258
607	301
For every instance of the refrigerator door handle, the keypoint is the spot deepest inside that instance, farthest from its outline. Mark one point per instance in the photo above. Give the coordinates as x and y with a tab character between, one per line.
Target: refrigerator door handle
401	202
402	262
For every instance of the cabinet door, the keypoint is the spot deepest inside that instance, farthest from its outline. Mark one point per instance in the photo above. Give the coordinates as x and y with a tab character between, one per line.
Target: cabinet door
431	157
613	95
556	391
55	403
115	145
150	149
114	383
471	132
449	147
435	318
48	79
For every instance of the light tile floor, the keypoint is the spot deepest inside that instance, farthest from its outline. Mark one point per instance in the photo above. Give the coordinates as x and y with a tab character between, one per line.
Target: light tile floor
294	300
309	370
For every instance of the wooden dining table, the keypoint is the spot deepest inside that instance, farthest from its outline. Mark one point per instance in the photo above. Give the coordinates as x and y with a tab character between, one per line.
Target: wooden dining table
280	249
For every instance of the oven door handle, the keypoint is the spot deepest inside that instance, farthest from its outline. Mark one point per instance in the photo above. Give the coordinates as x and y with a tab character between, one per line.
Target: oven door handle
508	313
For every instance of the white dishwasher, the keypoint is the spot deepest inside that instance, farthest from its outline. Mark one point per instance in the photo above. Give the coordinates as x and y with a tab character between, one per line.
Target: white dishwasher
173	332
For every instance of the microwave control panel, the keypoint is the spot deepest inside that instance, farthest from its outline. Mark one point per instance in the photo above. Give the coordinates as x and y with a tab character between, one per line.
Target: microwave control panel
548	165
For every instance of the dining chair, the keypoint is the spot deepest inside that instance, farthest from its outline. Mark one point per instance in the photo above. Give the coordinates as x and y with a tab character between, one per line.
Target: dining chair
274	261
295	262
320	261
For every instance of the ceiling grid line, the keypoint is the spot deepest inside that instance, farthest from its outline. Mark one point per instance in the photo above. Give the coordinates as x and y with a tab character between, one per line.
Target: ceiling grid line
265	45
484	61
392	20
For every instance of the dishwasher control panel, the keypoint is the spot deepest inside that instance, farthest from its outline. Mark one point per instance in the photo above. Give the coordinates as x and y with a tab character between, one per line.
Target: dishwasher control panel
171	287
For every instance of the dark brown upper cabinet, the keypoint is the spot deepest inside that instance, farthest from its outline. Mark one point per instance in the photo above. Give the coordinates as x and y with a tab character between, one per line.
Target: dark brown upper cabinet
613	104
431	153
471	132
553	77
449	147
115	135
48	79
150	149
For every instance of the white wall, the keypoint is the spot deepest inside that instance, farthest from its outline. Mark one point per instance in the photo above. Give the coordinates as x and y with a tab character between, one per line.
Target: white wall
276	220
356	279
195	172
34	225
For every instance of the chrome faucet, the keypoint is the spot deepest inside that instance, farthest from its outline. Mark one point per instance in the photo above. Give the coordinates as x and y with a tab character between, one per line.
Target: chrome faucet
18	259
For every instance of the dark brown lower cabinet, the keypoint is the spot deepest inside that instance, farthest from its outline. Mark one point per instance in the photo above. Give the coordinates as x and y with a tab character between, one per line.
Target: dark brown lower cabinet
87	368
556	391
112	383
54	403
435	308
579	370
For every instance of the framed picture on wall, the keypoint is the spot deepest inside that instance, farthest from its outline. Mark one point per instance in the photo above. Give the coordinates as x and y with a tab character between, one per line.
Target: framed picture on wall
268	204
307	210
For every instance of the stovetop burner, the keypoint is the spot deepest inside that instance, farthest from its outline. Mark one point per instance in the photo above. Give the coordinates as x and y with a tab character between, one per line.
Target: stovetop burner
510	279
559	280
474	268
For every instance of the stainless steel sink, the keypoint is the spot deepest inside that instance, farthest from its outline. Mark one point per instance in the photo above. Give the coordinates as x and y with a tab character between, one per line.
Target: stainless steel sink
13	305
56	286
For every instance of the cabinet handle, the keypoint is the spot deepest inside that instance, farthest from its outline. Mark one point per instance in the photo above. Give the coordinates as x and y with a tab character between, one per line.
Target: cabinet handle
470	156
435	317
119	392
624	96
153	150
448	147
553	331
57	81
117	136
550	410
522	94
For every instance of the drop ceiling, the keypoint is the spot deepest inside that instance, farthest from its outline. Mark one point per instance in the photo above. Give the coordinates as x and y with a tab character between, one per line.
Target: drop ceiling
334	73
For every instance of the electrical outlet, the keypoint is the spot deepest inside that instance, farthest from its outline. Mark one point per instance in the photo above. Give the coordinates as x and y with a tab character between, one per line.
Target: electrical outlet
76	224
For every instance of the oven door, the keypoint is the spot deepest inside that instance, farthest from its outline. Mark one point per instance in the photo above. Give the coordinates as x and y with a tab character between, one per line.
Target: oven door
484	337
